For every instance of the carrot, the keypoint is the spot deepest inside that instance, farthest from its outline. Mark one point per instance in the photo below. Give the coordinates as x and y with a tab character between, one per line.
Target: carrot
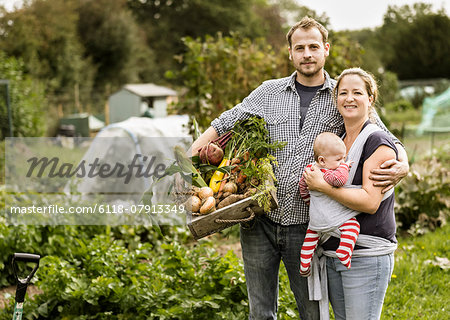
236	163
241	178
236	169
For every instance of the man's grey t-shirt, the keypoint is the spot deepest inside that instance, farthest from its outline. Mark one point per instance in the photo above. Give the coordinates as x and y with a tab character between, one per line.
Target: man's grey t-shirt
306	95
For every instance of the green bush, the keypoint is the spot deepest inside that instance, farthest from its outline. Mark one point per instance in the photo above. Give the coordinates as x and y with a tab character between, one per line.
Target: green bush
220	71
399	106
399	113
423	197
26	101
59	240
102	279
2	162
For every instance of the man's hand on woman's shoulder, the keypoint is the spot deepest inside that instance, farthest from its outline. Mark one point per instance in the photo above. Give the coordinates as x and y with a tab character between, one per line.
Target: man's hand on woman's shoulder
389	174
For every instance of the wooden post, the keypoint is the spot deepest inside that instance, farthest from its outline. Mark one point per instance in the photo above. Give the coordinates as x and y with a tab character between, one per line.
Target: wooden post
60	111
77	97
106	113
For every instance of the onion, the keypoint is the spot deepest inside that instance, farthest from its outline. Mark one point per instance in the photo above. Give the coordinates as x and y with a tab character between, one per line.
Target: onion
208	206
193	204
205	192
230	187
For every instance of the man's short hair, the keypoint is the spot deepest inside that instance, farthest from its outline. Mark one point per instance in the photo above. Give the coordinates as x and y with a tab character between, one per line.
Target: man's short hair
307	23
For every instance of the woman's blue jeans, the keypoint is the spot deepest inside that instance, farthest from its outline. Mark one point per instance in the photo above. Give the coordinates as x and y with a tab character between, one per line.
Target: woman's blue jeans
358	293
264	244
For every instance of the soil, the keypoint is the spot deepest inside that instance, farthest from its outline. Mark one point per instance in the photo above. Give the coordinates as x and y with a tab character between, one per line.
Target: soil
235	247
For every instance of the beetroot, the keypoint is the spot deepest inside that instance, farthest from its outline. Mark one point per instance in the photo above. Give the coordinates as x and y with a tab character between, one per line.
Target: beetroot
211	153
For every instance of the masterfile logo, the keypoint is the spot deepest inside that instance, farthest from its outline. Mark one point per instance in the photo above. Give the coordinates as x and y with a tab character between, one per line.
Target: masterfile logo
135	169
105	180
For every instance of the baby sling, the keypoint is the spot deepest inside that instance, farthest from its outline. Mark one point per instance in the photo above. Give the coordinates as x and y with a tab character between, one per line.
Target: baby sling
375	246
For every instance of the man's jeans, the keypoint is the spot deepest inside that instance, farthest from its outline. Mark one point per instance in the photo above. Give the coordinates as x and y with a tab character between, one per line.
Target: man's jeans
264	244
358	293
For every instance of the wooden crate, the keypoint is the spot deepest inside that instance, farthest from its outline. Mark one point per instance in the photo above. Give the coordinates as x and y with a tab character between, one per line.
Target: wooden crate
241	211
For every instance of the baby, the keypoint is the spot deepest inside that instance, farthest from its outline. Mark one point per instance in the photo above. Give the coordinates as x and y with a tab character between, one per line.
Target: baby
329	156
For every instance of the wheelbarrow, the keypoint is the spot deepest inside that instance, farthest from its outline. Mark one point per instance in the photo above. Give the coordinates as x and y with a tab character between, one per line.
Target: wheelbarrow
22	283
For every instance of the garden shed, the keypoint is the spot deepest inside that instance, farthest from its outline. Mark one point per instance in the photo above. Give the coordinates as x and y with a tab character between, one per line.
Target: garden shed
136	100
80	125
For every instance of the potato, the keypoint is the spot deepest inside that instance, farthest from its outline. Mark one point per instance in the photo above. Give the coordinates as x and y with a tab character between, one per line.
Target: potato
230	200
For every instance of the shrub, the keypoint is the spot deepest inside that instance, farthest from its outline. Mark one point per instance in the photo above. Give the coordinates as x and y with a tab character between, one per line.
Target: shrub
423	197
42	240
26	101
220	71
59	240
399	106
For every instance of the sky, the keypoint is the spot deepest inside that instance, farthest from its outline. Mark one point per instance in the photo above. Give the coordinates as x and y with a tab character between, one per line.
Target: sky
343	14
359	14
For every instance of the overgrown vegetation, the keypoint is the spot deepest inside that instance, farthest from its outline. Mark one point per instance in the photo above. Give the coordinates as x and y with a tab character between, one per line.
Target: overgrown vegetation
83	51
128	272
96	274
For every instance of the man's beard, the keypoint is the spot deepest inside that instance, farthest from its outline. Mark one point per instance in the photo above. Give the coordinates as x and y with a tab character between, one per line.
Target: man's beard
310	73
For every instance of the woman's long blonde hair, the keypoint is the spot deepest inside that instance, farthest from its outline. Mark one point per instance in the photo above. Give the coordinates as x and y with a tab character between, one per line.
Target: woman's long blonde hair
369	81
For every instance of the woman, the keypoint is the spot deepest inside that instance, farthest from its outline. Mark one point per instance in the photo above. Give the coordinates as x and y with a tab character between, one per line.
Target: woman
358	292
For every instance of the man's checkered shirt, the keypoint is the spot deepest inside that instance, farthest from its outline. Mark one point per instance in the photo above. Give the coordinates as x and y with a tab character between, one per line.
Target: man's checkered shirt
278	102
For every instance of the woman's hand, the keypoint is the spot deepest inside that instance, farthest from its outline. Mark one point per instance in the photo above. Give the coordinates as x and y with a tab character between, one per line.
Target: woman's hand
314	179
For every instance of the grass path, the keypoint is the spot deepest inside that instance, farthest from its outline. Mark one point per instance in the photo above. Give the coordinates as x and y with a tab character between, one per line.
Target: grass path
420	285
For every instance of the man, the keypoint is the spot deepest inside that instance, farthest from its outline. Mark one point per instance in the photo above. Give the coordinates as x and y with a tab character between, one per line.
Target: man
296	109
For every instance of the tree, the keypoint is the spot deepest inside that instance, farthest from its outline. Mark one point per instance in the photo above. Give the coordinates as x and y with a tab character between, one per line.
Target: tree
80	49
44	35
413	42
26	100
293	12
166	22
113	42
423	49
344	53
